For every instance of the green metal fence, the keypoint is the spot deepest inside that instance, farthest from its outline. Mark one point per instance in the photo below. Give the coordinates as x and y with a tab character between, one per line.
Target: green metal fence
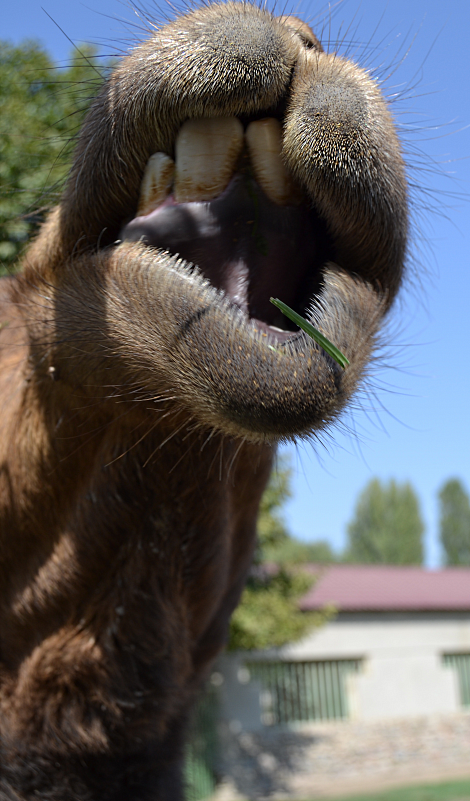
303	691
201	751
461	663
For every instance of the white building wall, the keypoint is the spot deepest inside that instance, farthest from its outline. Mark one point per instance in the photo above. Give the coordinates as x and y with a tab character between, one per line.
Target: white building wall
385	635
397	687
402	674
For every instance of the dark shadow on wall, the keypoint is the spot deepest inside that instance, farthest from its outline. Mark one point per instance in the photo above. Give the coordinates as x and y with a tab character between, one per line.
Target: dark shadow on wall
261	764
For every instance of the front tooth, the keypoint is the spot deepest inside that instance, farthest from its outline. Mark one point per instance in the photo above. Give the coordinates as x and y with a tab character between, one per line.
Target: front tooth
156	183
206	153
264	139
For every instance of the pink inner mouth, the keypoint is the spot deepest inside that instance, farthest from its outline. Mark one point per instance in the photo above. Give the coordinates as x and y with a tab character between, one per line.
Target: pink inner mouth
245	245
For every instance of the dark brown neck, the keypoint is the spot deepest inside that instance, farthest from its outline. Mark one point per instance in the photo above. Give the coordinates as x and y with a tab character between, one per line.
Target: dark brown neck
126	537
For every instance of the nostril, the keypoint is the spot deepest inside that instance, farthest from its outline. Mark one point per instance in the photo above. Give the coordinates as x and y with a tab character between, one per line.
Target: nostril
307	43
304	32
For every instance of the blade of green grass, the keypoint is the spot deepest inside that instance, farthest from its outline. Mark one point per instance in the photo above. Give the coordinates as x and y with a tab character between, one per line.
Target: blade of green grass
313	332
443	791
457	790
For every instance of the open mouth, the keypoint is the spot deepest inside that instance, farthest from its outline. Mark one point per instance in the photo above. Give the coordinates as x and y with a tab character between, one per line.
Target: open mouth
228	204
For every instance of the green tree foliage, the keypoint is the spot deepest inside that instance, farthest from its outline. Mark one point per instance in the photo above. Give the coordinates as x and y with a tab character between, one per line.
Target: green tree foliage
387	527
455	523
268	615
293	552
41	110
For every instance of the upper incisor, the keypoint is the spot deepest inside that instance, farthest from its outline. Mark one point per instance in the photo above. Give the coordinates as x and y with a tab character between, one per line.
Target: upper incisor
206	154
264	140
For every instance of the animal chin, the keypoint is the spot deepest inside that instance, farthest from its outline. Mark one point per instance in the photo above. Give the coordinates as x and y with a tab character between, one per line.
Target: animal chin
228	205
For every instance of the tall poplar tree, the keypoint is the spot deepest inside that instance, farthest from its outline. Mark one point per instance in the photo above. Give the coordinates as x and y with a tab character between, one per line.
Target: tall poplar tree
454	523
387	527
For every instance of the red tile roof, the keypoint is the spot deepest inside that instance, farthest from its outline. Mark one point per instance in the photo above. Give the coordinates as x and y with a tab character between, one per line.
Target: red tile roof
386	588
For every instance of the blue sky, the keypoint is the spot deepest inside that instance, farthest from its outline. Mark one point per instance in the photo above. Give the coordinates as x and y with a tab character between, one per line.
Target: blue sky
413	424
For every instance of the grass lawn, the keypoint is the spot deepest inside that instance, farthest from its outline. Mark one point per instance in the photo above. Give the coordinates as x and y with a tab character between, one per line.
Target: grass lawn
444	791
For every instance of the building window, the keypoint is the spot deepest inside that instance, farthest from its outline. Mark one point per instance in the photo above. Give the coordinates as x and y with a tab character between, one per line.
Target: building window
303	691
461	664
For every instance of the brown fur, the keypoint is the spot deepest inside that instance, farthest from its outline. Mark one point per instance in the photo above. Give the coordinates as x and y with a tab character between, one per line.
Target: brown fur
140	413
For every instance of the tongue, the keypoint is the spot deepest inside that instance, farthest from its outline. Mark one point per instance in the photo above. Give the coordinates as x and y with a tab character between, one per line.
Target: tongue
243	243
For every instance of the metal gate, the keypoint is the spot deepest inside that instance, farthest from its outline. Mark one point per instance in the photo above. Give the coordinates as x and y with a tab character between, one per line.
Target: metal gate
461	663
303	691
